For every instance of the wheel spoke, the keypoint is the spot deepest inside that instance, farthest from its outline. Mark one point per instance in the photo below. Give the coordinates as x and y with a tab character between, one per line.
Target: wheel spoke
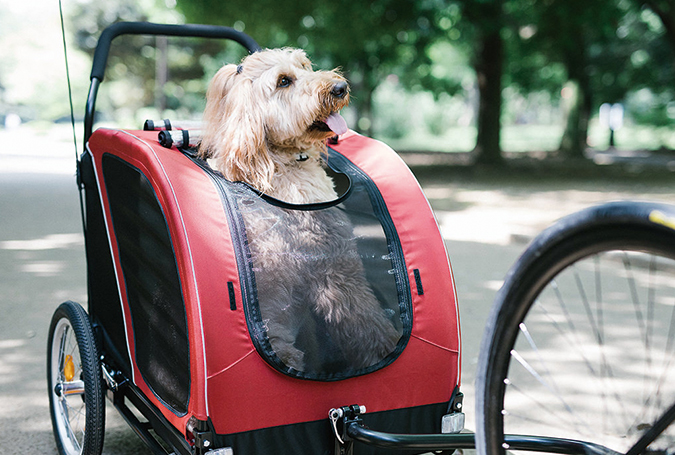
584	330
76	402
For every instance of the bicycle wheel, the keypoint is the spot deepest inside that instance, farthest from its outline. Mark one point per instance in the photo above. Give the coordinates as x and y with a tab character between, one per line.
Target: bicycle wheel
75	383
580	341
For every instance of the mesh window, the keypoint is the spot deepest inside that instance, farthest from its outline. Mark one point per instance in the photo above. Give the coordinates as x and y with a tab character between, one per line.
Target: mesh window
152	283
329	296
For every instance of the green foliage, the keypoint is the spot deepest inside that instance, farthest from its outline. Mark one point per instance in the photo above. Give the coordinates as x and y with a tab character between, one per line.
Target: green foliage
649	108
138	84
413	64
368	40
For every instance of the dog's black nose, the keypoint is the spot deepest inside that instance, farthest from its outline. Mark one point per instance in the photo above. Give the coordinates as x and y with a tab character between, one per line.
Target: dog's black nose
340	89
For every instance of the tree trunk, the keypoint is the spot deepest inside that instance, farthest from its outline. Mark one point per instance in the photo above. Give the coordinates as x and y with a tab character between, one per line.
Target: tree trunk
362	105
161	73
364	111
571	144
489	67
574	140
666	12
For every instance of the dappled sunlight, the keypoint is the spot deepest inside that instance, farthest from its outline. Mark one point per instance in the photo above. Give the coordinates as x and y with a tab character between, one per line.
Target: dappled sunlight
502	217
53	241
595	356
44	268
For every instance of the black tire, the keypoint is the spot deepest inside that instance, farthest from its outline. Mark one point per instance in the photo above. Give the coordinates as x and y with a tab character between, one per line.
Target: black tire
601	359
75	383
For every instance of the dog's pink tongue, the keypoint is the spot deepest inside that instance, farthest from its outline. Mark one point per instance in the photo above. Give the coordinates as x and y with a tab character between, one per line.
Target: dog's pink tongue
336	123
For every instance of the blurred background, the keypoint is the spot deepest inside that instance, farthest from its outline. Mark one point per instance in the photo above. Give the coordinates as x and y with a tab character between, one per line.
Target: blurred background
511	113
488	79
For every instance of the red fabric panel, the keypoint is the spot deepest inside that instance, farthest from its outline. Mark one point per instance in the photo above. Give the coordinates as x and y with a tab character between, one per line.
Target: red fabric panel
252	395
436	315
183	192
425	373
231	383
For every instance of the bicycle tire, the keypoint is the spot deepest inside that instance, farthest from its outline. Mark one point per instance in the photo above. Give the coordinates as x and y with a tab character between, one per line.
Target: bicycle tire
577	248
75	383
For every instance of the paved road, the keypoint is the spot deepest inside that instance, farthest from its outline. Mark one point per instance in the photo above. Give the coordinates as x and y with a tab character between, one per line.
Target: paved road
486	223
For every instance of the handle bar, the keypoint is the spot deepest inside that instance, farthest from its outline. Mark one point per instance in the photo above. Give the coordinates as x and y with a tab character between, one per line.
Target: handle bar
147	28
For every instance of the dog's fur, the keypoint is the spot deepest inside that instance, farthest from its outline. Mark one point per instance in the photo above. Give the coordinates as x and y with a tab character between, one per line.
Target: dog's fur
266	125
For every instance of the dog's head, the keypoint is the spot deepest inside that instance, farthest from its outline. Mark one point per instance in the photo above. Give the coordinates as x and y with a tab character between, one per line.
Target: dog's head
273	102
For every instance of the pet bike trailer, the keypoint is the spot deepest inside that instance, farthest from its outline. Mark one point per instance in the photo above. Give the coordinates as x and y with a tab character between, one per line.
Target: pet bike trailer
177	307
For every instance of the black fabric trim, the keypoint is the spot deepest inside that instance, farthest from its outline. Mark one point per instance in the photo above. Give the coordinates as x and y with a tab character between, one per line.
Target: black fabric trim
105	307
418	282
239	243
342	166
394	242
341	180
153	284
316	438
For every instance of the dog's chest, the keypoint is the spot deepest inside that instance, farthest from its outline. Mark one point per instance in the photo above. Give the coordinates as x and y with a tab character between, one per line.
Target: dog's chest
275	235
302	182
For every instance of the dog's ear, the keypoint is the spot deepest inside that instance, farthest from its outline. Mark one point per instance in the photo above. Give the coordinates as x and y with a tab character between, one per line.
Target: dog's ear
234	134
214	111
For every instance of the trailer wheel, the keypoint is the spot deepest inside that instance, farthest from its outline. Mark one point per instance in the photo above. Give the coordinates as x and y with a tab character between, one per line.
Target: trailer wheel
75	383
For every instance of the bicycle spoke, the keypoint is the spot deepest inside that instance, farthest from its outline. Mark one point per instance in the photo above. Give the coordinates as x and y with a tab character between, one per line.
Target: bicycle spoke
606	372
592	306
650	436
615	409
598	296
634	295
573	417
569	418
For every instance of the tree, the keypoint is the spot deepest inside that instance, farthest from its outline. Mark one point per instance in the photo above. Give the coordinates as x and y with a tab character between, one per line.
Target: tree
143	71
577	35
665	10
369	40
487	19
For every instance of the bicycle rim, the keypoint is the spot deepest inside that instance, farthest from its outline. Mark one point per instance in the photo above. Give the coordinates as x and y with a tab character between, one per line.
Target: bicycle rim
74	382
69	411
589	347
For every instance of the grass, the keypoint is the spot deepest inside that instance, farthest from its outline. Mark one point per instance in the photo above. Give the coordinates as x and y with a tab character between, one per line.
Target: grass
534	138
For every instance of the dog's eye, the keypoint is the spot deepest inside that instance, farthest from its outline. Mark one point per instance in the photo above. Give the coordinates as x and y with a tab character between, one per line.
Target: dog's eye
284	81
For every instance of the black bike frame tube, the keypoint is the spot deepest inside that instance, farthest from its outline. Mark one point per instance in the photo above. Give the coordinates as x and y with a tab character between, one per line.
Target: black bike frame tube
90	109
654	432
147	28
434	442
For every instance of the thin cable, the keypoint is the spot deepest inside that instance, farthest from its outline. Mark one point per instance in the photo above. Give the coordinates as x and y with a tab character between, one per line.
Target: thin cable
70	90
80	184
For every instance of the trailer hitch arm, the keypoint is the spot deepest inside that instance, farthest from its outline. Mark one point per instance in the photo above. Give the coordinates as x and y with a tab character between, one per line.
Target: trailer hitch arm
349	427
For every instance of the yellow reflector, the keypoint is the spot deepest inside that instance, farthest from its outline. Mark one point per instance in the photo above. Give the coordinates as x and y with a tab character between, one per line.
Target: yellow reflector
69	368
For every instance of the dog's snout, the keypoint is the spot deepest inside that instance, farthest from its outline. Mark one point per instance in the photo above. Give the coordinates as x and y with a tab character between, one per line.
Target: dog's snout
340	89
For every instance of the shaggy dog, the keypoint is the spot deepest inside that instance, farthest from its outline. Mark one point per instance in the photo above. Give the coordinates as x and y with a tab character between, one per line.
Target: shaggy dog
266	123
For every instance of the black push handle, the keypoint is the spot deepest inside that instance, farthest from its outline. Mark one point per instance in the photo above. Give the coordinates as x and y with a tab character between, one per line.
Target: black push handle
148	28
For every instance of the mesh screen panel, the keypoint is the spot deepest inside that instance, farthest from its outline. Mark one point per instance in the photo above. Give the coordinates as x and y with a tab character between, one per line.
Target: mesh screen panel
152	283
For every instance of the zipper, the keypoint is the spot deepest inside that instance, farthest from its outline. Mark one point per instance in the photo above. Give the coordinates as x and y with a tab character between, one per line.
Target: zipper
247	276
393	241
240	246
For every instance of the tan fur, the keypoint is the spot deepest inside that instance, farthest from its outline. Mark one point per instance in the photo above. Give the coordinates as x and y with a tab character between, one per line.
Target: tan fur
256	129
